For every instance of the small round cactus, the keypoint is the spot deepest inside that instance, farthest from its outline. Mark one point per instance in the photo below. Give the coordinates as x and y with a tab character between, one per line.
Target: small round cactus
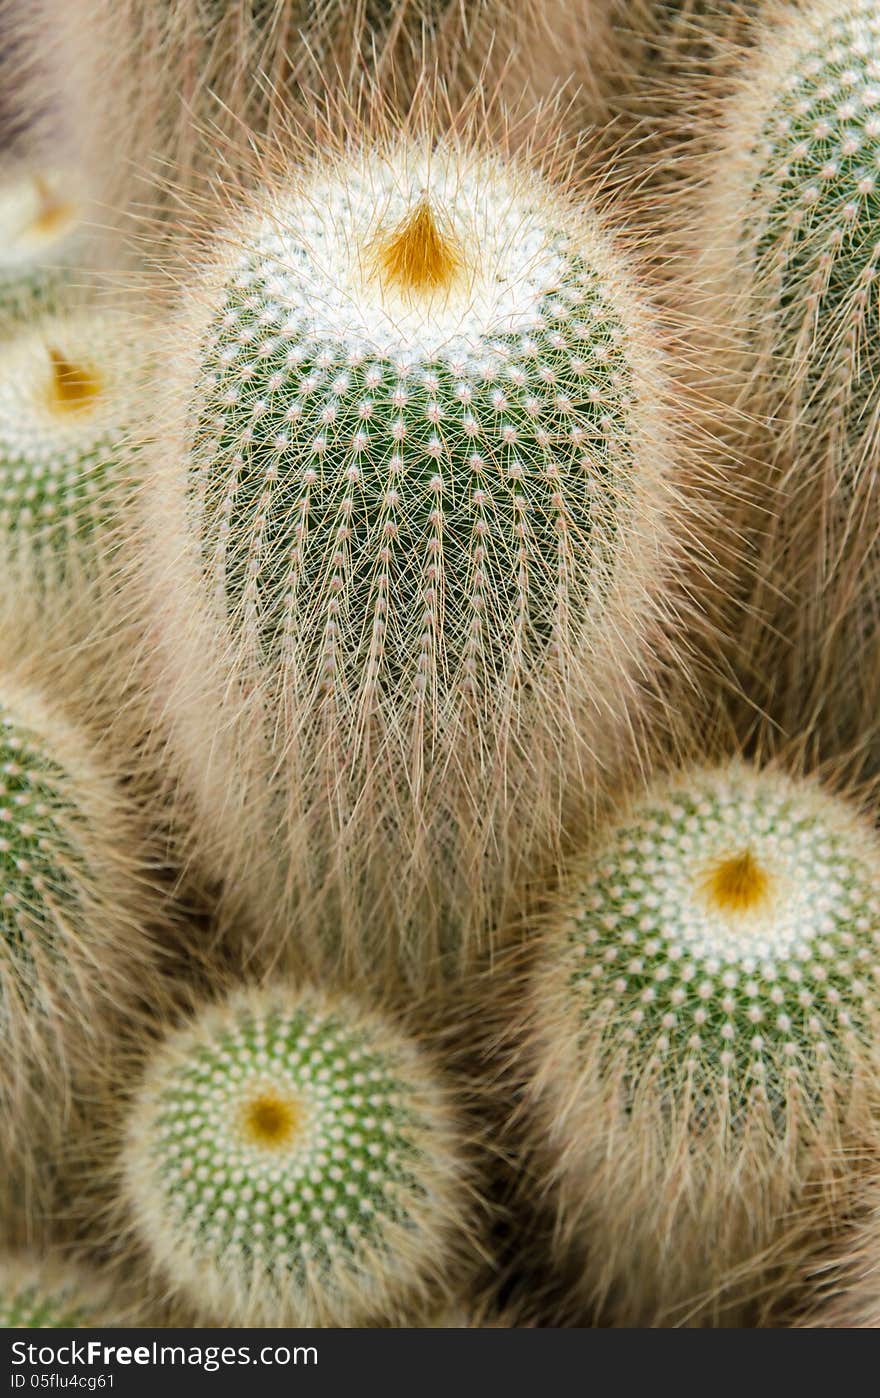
291	1160
40	1295
703	1020
67	388
409	516
40	237
75	907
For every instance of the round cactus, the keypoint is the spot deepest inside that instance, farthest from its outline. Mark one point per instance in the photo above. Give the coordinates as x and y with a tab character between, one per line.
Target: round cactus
409	517
37	1295
67	388
291	1160
703	1019
40	236
75	945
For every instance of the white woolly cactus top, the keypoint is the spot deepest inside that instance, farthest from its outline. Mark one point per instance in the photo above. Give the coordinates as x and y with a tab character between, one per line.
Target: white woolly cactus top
40	219
67	387
290	1157
728	934
414	422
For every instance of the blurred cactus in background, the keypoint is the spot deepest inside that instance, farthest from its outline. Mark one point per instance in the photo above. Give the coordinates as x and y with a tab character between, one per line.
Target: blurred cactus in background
77	949
67	387
35	1294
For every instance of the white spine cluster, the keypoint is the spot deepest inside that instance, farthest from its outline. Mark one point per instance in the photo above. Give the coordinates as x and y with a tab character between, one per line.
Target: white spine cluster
290	1161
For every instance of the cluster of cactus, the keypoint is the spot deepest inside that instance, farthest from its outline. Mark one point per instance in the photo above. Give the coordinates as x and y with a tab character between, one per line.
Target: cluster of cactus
421	902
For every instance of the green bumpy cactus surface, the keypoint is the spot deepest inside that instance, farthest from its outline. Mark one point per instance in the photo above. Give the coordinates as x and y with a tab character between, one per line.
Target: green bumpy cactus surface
40	864
289	1160
66	391
40	1297
412	517
76	947
703	1027
813	212
731	930
399	464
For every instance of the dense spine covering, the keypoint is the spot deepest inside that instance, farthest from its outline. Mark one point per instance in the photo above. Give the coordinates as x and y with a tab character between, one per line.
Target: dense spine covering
788	232
214	70
291	1159
702	1029
76	945
406	537
838	1284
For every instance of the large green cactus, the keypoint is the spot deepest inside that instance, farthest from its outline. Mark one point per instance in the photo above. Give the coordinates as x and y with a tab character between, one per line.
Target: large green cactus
291	1160
411	509
704	1018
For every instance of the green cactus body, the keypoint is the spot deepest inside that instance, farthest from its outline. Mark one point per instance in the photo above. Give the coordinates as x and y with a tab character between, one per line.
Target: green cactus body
40	223
789	235
713	999
422	452
290	1161
39	861
66	392
795	199
370	490
73	898
36	1296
